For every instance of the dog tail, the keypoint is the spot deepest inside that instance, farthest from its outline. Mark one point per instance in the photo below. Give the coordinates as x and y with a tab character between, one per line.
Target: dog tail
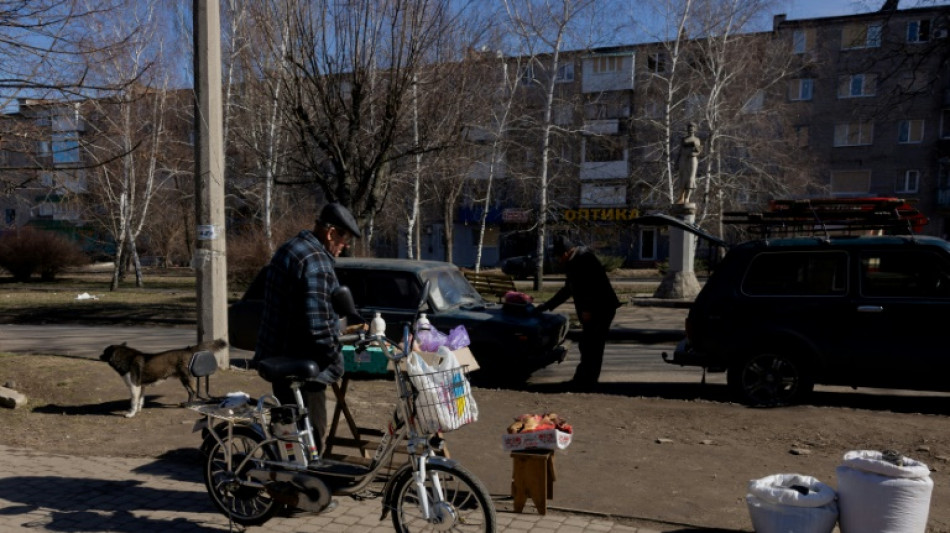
214	346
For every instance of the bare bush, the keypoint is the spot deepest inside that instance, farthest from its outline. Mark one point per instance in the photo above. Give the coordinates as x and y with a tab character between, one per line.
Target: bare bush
29	251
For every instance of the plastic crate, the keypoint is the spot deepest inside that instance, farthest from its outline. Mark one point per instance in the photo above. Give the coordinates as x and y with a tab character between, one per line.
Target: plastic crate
370	361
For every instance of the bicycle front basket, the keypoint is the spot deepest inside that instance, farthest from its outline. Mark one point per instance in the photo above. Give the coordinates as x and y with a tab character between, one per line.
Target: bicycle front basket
443	400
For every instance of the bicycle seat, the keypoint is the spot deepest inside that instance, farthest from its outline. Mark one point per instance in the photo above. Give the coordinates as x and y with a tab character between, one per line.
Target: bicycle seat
287	369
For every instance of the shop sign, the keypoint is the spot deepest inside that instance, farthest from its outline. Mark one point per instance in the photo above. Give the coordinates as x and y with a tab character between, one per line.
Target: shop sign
516	216
596	214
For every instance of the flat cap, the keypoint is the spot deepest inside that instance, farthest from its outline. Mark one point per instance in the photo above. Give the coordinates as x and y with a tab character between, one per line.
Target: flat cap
334	214
561	245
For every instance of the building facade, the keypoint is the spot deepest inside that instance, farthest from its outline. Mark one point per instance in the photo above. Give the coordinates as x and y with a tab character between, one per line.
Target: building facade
855	106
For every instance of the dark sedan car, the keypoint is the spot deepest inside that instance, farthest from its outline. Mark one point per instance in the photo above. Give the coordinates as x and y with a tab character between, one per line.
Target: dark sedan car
508	343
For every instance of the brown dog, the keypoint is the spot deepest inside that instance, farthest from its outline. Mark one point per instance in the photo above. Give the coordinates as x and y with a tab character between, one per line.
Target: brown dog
139	369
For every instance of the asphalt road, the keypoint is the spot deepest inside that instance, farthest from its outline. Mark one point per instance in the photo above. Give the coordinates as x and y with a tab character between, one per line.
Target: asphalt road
623	362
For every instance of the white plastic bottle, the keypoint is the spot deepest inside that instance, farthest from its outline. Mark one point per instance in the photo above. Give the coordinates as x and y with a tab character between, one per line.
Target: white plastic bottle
378	325
423	322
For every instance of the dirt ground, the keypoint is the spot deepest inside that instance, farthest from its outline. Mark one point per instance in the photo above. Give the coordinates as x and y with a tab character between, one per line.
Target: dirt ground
672	458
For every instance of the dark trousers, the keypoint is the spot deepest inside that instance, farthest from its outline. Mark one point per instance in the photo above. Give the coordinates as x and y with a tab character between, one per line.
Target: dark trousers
593	339
315	400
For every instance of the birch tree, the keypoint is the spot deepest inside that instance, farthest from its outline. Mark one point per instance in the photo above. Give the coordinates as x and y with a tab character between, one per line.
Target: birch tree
128	131
542	26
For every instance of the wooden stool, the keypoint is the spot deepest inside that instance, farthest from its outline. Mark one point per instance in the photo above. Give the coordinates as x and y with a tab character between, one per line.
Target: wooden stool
533	475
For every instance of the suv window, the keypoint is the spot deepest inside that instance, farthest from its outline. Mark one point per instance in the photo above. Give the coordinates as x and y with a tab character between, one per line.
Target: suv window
904	273
797	274
380	289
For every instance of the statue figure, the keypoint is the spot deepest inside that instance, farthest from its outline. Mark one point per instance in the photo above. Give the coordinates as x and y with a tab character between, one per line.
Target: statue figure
690	149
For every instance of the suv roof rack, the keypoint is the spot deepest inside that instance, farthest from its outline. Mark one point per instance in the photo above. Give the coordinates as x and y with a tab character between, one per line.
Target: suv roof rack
877	215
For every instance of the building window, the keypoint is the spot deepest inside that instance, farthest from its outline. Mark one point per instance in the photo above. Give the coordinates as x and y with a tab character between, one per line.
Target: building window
913	82
854	133
754	104
9	216
910	131
945	124
850	182
65	148
801	41
861	36
653	110
604	149
527	75
647	244
918	31
800	89
856	85
656	63
801	136
603	195
908	182
565	73
607	64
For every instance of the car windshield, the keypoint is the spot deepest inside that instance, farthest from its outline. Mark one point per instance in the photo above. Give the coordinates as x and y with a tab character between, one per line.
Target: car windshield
449	288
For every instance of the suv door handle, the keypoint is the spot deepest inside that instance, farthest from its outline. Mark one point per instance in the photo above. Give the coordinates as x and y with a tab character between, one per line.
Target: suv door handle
870	309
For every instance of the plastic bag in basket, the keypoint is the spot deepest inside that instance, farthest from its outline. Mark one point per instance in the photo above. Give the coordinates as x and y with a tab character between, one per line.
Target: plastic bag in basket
444	400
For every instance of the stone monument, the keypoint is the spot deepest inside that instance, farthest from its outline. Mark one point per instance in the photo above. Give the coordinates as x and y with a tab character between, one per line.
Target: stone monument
679	282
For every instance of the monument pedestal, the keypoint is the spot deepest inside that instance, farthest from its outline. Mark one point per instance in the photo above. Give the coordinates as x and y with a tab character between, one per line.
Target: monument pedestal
680	281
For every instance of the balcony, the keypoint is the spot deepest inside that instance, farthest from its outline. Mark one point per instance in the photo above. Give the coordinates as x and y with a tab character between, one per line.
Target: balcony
604	170
610	126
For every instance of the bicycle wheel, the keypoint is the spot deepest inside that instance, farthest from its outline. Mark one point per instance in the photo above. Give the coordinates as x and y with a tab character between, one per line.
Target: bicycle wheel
464	505
243	504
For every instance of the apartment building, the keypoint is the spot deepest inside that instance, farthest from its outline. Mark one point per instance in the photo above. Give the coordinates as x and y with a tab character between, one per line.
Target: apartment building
865	100
863	111
41	163
872	99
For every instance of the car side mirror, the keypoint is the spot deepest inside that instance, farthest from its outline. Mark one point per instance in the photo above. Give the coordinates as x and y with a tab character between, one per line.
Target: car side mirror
343	304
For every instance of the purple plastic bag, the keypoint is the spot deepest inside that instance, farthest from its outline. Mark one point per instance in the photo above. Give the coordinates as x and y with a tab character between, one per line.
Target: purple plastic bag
458	338
430	339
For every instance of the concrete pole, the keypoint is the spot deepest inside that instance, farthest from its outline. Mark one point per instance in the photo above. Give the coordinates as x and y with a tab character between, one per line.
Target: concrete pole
210	260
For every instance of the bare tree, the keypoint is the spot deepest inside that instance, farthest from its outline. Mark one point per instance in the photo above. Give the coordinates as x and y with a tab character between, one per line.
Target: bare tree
492	124
128	131
735	70
44	45
666	84
543	26
348	91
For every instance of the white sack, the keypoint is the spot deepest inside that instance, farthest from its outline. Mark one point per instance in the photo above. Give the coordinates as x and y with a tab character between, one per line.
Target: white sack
876	495
776	507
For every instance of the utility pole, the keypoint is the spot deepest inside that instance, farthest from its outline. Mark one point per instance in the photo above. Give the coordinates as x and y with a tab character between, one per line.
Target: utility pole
209	259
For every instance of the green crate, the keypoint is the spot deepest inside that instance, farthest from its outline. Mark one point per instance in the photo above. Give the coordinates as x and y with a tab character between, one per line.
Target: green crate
370	361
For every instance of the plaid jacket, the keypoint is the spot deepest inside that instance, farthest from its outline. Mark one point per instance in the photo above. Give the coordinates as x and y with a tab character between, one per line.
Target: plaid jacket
298	319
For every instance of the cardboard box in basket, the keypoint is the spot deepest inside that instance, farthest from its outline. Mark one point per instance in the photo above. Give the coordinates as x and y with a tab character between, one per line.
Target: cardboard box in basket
546	439
463	355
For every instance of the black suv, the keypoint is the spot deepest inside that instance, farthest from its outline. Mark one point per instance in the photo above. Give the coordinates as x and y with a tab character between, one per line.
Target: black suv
782	315
508	342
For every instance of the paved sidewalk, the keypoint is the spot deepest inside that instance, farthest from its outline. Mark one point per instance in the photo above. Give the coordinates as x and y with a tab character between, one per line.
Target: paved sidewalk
49	492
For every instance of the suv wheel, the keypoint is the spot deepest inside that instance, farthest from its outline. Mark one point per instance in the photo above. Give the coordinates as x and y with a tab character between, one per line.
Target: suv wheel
769	380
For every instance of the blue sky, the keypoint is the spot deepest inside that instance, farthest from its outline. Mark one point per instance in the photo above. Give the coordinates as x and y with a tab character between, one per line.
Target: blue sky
802	9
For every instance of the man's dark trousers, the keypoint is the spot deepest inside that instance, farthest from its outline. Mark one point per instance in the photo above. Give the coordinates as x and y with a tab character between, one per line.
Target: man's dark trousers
593	339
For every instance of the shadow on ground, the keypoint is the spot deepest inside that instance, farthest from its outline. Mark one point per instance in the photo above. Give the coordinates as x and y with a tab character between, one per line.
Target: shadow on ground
897	401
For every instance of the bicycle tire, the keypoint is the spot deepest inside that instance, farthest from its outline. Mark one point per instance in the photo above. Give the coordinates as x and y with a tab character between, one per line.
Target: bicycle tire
467	505
244	505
